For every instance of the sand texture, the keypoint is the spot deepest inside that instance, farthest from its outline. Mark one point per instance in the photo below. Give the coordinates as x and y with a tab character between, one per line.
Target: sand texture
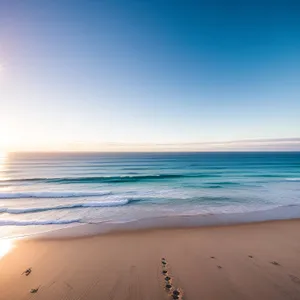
253	261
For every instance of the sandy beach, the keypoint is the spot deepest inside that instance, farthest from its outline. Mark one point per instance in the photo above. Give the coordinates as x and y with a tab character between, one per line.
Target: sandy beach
253	261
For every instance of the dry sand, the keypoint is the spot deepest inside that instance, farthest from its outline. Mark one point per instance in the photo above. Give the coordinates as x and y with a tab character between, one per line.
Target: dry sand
128	265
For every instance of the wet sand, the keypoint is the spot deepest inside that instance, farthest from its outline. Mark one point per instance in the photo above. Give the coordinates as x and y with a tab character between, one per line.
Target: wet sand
250	261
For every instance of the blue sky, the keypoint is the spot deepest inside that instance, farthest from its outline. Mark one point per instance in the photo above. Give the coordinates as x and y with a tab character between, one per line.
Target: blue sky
82	75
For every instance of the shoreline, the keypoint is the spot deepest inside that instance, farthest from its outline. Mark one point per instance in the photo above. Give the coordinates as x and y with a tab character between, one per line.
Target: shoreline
247	261
291	212
53	236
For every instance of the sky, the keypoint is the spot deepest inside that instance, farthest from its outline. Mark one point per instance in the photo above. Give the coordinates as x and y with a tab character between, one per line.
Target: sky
149	75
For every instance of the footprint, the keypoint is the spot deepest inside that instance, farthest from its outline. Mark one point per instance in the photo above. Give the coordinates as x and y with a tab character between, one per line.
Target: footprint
212	257
275	263
295	279
250	256
68	285
33	291
177	294
219	267
173	292
27	272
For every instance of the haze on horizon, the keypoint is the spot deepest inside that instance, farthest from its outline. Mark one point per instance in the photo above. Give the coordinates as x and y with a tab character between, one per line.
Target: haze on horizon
149	76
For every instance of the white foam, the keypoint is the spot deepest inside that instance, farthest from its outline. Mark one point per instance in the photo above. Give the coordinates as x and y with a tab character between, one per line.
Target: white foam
292	179
66	206
52	194
28	223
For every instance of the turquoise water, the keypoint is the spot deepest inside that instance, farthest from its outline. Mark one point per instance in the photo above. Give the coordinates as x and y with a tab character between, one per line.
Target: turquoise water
41	192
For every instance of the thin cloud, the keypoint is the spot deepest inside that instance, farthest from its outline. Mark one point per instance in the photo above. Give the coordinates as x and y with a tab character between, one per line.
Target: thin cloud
283	144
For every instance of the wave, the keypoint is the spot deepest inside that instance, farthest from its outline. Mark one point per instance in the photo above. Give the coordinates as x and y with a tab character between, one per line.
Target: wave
112	179
221	183
111	203
212	199
264	175
214	186
292	179
52	194
34	223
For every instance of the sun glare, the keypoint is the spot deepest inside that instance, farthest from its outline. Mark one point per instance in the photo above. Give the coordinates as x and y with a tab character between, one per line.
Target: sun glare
5	247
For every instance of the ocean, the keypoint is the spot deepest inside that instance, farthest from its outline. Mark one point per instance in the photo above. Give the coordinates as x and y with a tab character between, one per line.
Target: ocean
41	192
